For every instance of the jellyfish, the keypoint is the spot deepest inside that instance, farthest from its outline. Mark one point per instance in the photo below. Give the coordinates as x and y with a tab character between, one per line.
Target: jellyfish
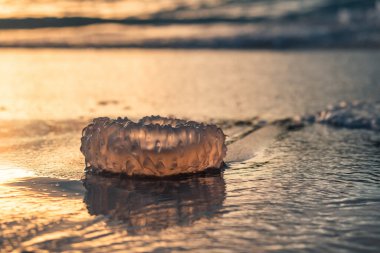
153	146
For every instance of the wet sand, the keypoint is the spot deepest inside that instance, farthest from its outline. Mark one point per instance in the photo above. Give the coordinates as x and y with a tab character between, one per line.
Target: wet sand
313	188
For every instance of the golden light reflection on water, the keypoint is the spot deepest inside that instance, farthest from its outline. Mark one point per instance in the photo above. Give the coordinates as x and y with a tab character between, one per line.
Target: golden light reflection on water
10	173
46	213
33	206
105	9
68	84
42	148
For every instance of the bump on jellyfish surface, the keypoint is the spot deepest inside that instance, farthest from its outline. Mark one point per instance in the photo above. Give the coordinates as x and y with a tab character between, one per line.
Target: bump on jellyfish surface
154	146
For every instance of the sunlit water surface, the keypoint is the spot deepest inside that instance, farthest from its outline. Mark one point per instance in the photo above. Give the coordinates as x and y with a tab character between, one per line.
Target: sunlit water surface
314	189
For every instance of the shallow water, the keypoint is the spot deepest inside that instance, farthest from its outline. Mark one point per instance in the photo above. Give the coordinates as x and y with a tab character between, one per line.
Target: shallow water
68	84
309	187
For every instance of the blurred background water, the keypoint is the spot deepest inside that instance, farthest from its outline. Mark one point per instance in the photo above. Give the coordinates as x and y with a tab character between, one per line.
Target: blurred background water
302	124
190	23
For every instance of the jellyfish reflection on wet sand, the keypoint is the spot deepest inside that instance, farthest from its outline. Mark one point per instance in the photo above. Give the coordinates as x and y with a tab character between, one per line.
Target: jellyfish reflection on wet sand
146	205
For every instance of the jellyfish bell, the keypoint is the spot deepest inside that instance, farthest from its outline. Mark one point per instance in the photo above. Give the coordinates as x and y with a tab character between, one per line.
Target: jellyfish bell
154	146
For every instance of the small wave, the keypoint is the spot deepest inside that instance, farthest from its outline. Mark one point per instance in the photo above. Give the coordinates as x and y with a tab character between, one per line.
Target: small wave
280	25
192	35
351	115
354	115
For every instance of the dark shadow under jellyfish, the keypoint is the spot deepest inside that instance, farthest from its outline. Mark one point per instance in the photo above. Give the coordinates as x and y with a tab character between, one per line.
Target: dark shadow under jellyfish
146	205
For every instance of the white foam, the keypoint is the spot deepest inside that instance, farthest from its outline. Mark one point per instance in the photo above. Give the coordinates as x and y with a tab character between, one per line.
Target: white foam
355	114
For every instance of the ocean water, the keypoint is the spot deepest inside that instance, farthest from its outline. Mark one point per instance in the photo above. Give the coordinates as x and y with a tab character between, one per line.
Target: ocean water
303	164
190	23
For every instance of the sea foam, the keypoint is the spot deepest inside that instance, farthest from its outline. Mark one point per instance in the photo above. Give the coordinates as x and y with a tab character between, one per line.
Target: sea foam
354	115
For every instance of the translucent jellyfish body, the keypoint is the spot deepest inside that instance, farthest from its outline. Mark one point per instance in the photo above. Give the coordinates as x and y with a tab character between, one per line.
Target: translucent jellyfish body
154	146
